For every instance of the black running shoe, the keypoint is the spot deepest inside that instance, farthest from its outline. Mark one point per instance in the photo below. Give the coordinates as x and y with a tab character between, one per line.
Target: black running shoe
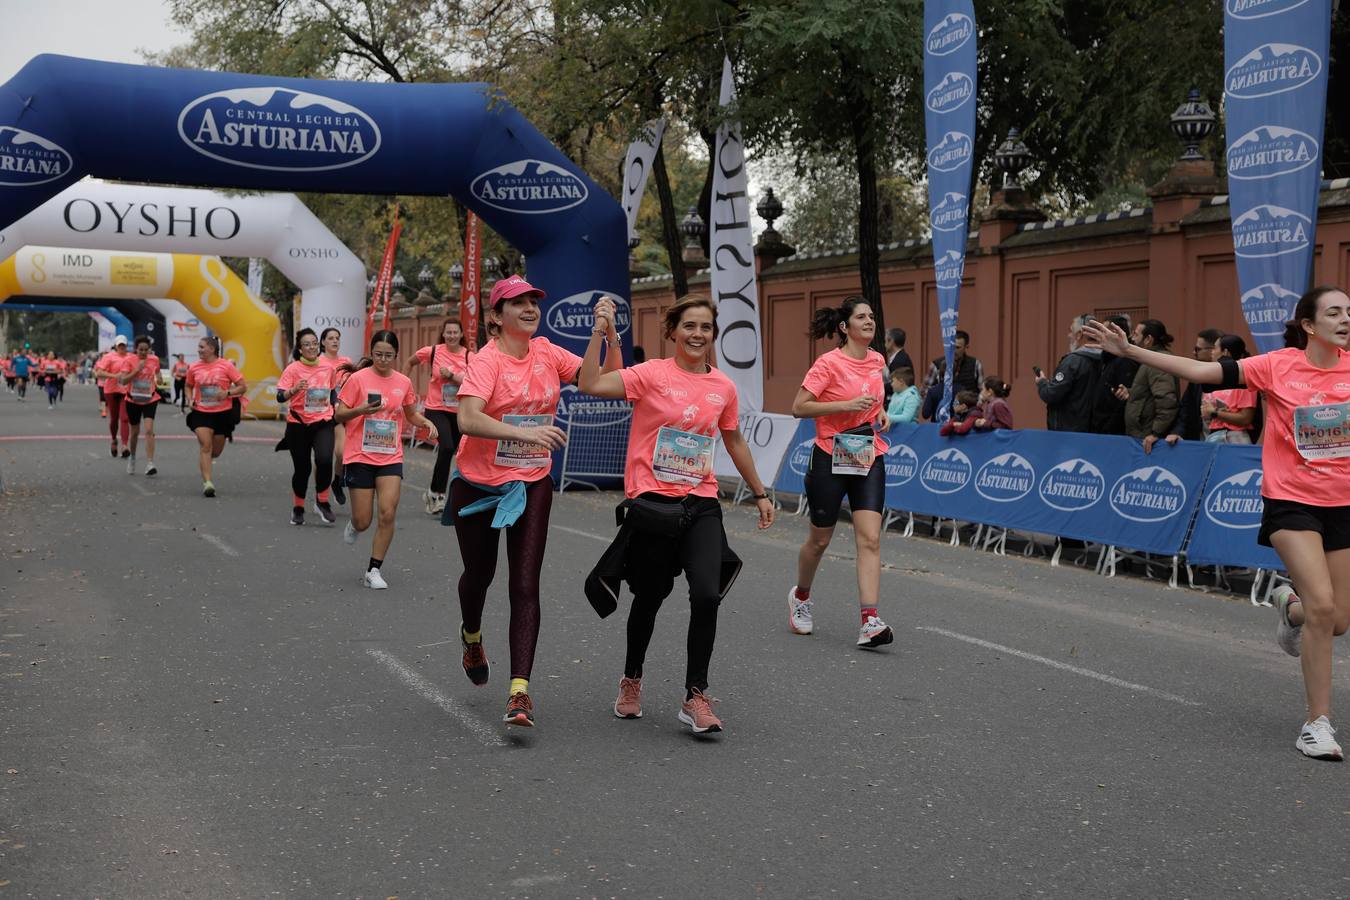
297	515
338	493
125	452
325	512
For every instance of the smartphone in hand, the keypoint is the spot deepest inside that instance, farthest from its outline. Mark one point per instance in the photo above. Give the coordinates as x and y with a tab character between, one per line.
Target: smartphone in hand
1036	370
374	399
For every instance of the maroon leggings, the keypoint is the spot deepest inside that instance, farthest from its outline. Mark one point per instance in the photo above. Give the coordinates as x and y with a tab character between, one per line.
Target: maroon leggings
525	542
117	416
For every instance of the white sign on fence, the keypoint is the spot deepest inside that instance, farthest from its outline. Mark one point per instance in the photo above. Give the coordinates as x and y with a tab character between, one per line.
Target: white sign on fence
768	435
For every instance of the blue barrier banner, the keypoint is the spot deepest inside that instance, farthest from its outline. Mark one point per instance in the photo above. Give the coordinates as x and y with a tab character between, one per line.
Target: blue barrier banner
1275	96
792	473
1230	514
949	125
1092	487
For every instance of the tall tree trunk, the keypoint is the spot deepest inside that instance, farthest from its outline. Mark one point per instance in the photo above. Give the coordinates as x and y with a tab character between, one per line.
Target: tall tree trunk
670	229
869	255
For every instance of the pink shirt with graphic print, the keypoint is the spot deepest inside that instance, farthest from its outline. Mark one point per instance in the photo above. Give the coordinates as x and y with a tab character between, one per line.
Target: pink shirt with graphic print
209	383
438	356
837	376
663	394
396	394
319	378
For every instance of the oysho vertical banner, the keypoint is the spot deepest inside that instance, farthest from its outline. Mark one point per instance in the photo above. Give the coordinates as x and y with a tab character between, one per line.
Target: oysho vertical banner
739	347
468	296
637	165
1275	97
949	123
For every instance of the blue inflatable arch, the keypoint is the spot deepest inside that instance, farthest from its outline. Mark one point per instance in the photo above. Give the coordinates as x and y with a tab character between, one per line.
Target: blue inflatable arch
62	118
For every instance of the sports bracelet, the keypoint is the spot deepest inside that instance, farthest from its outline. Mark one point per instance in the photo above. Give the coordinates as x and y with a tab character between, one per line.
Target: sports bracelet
759	496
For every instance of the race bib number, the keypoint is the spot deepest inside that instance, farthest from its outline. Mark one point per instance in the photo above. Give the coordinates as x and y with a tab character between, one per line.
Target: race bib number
853	454
1322	432
316	399
520	454
681	457
449	394
142	389
211	394
379	436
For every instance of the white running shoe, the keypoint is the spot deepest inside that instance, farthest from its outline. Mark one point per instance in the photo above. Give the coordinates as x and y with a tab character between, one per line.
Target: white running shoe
349	533
131	465
150	470
374	580
874	633
1318	740
1289	637
429	502
439	506
799	614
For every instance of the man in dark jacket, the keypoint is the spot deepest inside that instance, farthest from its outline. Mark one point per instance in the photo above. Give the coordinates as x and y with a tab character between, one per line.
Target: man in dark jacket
1071	393
896	357
967	375
1188	426
1108	414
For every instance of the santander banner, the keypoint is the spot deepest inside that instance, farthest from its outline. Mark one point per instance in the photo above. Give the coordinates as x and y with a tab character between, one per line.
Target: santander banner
949	122
1275	97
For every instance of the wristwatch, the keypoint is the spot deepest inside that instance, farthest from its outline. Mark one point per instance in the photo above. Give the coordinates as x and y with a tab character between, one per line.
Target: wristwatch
759	496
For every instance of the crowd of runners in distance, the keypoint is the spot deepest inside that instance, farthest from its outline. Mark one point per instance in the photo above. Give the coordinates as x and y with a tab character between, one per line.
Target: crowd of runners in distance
47	371
491	415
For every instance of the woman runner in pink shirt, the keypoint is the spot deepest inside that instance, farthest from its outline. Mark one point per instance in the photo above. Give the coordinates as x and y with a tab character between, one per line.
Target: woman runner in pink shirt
331	342
140	376
213	383
448	360
843	391
1305	484
306	387
373	404
506	408
680	406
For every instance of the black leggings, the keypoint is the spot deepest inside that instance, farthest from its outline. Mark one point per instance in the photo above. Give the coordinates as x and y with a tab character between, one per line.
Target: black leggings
180	392
304	442
447	431
652	566
825	491
525	542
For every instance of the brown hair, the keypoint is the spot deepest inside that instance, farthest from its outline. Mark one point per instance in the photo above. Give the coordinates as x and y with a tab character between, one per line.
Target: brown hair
1000	387
1305	310
967	399
904	373
676	312
825	323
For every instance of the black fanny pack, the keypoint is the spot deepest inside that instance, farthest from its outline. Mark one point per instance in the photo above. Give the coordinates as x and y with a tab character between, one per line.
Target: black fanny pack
663	519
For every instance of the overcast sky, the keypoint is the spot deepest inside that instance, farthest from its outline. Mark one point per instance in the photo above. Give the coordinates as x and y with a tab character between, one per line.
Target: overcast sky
114	30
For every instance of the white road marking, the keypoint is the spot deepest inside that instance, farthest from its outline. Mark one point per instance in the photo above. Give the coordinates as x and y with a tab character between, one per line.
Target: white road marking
1056	664
428	691
142	489
595	537
218	544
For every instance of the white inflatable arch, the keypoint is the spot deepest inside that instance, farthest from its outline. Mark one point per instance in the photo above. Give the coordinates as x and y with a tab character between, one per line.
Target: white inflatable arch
102	215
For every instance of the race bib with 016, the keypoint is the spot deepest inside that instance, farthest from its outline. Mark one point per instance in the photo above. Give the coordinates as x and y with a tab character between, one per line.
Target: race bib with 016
681	457
316	399
1322	432
379	436
521	454
142	389
853	454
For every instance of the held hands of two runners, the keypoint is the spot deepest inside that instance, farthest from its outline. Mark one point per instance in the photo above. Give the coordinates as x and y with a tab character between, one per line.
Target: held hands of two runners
604	314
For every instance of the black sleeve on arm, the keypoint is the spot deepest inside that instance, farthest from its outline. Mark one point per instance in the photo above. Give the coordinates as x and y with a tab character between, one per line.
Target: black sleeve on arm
1232	373
281	395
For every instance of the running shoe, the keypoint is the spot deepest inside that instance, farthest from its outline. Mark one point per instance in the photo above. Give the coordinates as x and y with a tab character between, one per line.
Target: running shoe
629	703
126	451
349	533
113	449
874	633
475	660
325	512
338	493
696	712
150	470
208	489
1289	637
429	502
439	506
1318	740
799	614
374	580
131	465
519	710
297	515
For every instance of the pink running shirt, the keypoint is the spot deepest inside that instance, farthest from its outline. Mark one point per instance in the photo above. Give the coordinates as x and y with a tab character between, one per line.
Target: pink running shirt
668	400
836	376
1234	400
377	439
1289	381
512	387
112	362
210	384
314	404
143	389
443	394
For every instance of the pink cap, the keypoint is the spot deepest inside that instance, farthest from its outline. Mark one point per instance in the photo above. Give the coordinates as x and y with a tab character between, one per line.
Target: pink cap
512	287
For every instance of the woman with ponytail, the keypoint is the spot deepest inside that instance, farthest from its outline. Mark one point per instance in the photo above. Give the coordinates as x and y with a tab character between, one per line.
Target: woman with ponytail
306	389
843	392
214	384
1305	484
449	360
1229	415
330	340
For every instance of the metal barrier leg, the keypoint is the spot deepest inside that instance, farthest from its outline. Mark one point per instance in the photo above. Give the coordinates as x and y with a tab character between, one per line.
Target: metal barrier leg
909	527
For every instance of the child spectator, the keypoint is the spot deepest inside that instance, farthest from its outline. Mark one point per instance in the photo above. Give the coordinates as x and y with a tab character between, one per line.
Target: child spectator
904	405
964	412
992	412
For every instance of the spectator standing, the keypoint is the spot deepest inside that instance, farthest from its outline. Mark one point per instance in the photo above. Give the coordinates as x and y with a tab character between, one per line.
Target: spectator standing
1108	414
1070	395
1229	415
1152	398
896	357
904	403
967	375
1188	425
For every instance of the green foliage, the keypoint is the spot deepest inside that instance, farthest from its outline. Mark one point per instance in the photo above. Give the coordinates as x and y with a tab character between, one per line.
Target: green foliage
66	333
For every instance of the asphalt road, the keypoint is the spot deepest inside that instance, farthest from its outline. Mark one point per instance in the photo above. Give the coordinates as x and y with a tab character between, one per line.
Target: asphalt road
197	699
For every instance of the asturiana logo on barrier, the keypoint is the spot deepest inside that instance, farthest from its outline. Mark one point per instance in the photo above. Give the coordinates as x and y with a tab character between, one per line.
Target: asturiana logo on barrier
951	34
1236	502
1073	485
529	186
949	269
901	464
799	459
27	159
597	411
1150	494
1259	9
952	152
950	213
278	129
946	471
573	316
1005	478
1269	230
1267	307
1270	150
1271	69
951	93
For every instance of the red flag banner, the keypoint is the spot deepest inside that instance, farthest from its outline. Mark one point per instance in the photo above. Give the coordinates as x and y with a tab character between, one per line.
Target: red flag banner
468	298
379	298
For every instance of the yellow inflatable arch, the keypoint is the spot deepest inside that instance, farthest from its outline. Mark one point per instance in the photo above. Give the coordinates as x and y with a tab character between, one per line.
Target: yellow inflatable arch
251	333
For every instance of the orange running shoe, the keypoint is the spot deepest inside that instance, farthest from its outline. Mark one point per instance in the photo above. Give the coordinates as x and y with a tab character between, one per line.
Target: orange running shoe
696	712
519	710
629	704
475	661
